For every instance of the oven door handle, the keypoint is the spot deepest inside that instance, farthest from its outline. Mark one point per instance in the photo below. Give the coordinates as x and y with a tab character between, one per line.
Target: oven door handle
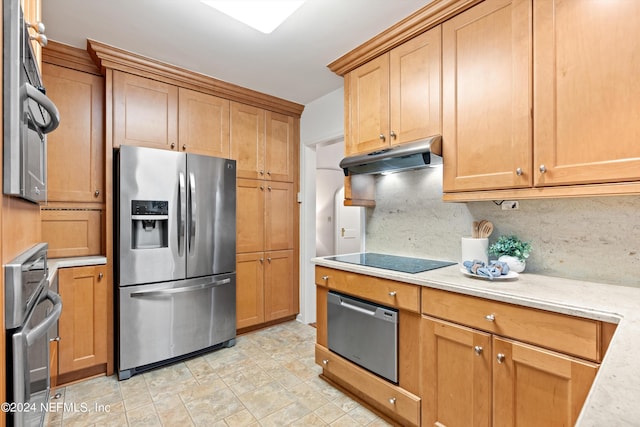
42	328
22	341
46	103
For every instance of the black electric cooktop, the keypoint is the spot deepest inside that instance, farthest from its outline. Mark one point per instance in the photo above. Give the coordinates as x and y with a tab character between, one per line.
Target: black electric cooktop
392	262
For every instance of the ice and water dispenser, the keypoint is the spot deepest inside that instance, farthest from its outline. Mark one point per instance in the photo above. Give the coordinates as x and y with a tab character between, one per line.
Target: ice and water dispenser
149	224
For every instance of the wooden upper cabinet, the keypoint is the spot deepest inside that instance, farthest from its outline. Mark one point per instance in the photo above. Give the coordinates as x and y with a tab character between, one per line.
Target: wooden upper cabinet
79	140
203	123
280	163
586	115
394	98
247	140
486	97
145	112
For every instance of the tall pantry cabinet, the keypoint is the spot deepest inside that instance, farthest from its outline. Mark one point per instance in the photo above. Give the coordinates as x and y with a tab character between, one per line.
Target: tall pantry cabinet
265	146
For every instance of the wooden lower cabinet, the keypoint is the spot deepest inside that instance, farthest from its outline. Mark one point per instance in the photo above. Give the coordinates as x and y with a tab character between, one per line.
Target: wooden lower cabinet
470	377
83	322
265	287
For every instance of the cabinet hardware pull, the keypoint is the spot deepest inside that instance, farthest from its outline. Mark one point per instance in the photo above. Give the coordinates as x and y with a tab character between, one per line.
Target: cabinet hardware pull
543	168
382	138
40	38
55	339
184	146
269	259
269	173
269	188
57	396
262	187
38	27
97	193
519	171
325	277
393	135
325	362
392	400
261	172
478	350
261	260
500	357
173	145
490	317
100	276
393	293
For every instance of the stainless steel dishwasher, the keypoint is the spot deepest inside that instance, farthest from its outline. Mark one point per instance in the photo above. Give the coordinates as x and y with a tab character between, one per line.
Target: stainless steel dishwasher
365	333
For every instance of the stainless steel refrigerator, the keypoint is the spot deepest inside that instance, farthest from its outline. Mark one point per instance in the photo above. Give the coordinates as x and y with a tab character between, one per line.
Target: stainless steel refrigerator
176	256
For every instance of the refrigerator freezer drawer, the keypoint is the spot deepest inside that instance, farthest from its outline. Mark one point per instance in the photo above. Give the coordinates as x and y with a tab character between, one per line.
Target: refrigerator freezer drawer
168	320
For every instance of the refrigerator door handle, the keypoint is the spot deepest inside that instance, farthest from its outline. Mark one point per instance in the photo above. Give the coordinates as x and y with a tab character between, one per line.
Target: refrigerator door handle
192	212
167	292
182	202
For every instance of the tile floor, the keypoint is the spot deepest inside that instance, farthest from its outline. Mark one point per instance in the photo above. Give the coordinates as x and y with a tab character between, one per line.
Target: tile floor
268	378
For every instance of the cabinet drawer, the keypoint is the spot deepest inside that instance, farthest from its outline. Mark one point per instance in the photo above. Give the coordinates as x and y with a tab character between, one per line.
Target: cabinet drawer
72	233
383	291
384	396
572	335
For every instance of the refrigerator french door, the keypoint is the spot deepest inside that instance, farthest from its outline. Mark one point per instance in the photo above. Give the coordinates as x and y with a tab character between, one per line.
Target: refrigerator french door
176	228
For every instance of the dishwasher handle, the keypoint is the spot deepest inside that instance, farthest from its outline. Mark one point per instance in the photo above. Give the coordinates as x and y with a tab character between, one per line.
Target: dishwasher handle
363	307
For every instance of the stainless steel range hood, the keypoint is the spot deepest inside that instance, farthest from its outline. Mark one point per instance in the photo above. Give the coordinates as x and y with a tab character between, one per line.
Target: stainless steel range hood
404	157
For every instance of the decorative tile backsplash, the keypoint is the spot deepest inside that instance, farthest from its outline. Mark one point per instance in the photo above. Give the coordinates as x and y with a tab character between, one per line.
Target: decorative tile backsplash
595	239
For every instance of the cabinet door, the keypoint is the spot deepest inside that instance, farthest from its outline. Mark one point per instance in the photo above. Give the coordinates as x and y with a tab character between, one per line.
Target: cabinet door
456	375
79	140
249	289
145	112
247	140
279	222
250	232
280	163
586	115
83	322
537	387
203	123
368	103
415	88
486	97
279	292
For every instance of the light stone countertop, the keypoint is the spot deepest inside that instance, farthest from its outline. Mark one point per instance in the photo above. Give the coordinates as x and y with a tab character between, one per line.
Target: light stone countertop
54	264
614	398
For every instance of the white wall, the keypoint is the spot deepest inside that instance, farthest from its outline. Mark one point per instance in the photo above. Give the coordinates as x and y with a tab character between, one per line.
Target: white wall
322	122
329	178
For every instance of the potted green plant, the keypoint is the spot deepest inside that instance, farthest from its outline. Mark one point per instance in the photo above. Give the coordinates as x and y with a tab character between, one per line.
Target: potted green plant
512	250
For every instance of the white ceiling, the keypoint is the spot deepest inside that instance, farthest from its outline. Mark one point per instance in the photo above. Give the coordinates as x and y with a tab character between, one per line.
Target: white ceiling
289	63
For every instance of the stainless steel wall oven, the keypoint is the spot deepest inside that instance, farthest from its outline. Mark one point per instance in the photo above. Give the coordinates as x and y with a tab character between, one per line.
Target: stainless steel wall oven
28	114
32	311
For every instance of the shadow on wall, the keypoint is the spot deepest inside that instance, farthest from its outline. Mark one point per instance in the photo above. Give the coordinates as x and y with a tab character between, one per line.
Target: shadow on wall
593	239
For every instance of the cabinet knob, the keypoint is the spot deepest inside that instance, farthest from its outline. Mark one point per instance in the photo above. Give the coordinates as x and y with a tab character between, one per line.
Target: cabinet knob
393	135
269	259
100	276
97	193
184	146
269	173
55	339
262	187
490	317
393	293
261	260
40	38
542	168
173	145
392	400
478	350
38	27
382	137
519	171
500	357
325	278
325	362
261	172
269	188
